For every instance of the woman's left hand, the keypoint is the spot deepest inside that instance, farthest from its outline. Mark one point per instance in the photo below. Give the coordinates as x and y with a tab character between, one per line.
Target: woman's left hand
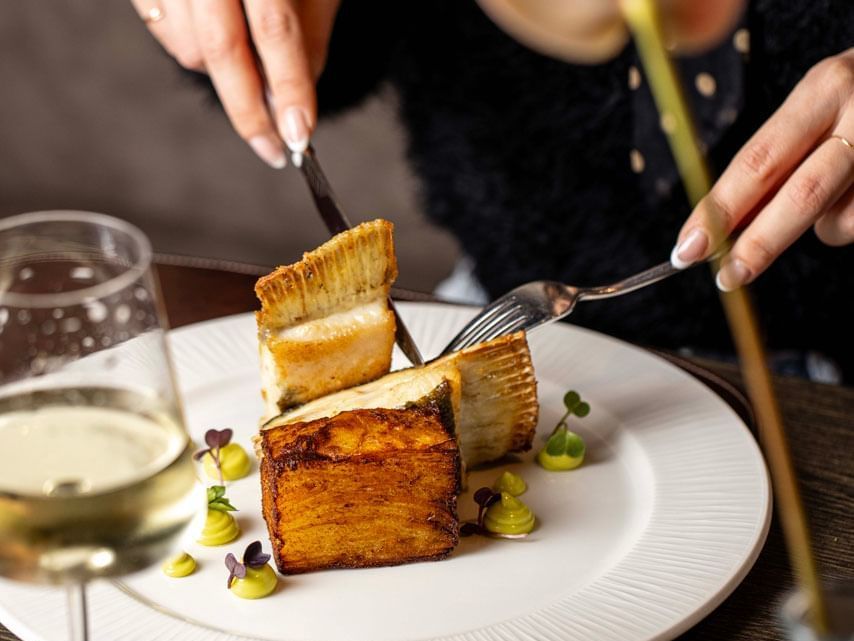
796	172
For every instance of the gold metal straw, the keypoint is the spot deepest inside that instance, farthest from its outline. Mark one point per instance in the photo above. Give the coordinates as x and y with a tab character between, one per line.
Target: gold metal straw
643	20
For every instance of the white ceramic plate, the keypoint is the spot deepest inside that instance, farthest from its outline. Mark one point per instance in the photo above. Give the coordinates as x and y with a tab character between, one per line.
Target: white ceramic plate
659	525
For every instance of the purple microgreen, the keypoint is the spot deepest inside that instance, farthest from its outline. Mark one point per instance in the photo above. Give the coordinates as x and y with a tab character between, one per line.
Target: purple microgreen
215	440
485	497
212	438
224	437
236	570
254	557
495	498
218	501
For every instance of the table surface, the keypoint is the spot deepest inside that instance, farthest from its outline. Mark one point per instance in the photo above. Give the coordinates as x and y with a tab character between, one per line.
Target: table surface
819	420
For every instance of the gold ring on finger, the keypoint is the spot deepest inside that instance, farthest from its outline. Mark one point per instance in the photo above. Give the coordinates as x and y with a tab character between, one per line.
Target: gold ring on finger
155	14
843	140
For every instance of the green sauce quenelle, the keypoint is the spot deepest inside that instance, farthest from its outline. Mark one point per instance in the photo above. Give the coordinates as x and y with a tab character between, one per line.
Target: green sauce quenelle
220	526
510	483
509	516
222	459
179	565
565	450
256	584
234	463
253	578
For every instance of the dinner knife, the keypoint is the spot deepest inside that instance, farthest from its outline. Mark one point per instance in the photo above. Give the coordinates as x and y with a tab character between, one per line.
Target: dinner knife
336	222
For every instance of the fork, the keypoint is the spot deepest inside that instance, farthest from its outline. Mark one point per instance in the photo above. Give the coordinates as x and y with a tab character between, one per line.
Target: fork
544	301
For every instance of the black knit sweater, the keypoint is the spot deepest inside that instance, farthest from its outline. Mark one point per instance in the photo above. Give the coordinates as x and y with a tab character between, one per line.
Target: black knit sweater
525	160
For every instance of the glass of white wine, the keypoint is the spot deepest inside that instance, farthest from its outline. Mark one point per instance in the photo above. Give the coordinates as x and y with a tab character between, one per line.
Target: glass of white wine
96	475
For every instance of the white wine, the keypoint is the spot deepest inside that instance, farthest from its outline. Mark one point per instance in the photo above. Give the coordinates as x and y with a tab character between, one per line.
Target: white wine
93	482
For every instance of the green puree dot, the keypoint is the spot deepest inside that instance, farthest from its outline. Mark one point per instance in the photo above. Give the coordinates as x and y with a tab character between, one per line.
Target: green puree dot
509	516
510	483
563	451
258	583
179	565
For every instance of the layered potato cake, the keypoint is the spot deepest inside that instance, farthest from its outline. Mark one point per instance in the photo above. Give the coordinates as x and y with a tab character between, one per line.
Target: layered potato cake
363	488
325	323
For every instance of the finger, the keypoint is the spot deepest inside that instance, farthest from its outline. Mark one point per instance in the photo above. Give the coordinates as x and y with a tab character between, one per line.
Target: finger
774	150
810	191
278	38
317	18
151	12
836	227
170	22
180	39
221	33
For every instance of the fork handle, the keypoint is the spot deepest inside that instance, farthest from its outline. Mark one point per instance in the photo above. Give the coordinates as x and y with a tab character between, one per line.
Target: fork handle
630	284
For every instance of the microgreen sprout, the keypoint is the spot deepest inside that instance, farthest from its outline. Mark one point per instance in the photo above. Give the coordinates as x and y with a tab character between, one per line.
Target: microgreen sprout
564	449
215	440
217	499
574	406
484	497
253	557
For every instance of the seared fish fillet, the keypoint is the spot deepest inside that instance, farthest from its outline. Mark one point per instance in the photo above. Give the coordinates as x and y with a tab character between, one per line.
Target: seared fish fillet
364	488
324	323
497	408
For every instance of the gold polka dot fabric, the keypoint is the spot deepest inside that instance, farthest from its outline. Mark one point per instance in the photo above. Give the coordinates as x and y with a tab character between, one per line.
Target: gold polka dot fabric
741	41
637	161
706	84
713	83
634	78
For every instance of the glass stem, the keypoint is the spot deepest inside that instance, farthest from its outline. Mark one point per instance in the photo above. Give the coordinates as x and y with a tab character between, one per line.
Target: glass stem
78	615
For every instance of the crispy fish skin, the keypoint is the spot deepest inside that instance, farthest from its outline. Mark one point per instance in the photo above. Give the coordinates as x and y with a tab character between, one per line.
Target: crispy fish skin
324	323
364	488
497	411
392	391
352	268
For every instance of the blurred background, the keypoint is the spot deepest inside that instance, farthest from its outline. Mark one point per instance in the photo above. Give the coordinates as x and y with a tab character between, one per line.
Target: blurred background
94	116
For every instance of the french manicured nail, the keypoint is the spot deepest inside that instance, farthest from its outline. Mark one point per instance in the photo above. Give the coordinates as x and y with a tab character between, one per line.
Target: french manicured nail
732	275
294	129
690	250
269	150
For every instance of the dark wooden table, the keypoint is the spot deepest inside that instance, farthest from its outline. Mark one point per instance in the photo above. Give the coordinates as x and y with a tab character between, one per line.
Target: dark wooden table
819	419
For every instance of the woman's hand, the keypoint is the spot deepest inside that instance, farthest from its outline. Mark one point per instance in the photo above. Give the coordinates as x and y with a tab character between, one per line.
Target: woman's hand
796	172
254	51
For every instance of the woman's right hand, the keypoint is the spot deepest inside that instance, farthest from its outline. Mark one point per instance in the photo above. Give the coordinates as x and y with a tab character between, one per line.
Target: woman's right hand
263	56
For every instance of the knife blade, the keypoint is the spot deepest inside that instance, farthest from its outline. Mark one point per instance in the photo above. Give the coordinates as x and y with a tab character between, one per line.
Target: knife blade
336	222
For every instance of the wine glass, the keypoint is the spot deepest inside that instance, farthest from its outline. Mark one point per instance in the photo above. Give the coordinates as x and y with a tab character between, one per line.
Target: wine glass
96	472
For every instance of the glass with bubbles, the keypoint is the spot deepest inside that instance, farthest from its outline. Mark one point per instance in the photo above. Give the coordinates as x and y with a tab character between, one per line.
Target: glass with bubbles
96	476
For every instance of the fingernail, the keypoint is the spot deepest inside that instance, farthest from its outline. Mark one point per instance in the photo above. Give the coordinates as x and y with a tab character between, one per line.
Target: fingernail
732	275
294	129
690	250
269	150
